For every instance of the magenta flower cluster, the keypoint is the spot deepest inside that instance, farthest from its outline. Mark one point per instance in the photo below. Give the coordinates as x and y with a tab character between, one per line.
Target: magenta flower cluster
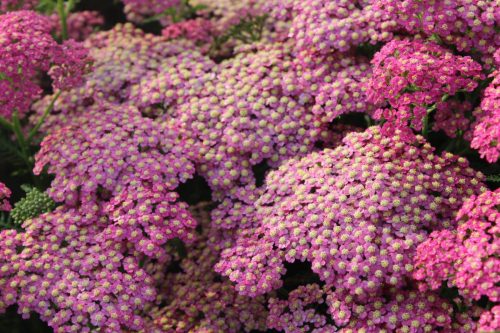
59	269
319	171
10	5
321	25
411	76
138	10
486	132
395	311
198	30
197	291
468	257
27	49
467	25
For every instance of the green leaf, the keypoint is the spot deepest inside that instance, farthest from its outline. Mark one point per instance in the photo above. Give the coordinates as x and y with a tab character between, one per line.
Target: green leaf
493	178
47	6
10	153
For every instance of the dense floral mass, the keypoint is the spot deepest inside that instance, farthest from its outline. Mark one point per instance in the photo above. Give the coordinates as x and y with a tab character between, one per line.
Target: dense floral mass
355	213
228	166
468	257
410	76
27	49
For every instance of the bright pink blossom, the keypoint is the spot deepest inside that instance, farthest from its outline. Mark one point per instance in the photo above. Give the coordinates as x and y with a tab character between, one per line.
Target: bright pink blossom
28	50
486	128
468	257
411	76
4	198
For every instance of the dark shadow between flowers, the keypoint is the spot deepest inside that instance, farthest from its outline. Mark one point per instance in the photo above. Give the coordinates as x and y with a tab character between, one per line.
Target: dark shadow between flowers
12	322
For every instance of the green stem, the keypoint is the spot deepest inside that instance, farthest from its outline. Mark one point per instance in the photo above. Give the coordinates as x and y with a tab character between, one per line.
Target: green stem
69	8
21	140
6	124
425	126
368	121
62	16
40	122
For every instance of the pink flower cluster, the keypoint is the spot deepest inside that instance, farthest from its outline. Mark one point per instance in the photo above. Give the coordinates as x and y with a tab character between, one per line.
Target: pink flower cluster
470	26
320	222
245	117
333	85
122	164
225	13
27	50
321	25
4	197
451	118
126	59
198	300
486	129
410	76
58	269
394	311
198	30
356	213
468	257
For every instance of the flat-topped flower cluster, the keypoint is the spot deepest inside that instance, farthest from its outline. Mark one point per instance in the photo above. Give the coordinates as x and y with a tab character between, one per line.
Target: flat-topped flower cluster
341	146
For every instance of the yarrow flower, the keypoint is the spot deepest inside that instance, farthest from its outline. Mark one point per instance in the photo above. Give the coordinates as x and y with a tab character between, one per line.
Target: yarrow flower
334	85
126	58
199	30
486	128
226	13
356	213
28	49
57	269
243	117
148	218
298	312
468	257
4	197
470	26
410	76
451	118
323	26
198	300
110	151
490	320
394	311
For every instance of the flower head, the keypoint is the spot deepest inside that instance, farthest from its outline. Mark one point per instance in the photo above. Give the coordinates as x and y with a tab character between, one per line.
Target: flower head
28	49
410	76
356	213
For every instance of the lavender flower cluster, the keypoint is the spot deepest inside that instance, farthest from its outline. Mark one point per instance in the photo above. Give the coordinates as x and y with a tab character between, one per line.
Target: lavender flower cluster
347	152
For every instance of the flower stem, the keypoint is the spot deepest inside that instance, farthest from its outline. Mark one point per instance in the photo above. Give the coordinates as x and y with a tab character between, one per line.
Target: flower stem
63	17
21	140
49	109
